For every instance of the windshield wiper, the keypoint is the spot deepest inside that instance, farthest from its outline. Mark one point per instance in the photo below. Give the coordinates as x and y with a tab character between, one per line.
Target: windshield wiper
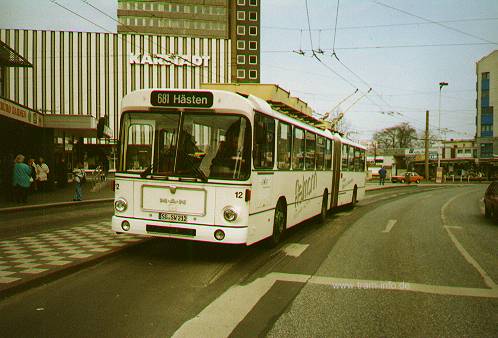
199	173
147	171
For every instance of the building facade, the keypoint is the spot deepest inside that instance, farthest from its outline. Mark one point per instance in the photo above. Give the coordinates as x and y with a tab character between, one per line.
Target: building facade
237	20
77	79
487	99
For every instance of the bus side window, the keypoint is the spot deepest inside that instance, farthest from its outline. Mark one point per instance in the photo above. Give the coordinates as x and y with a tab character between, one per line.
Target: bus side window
264	141
320	153
344	157
351	158
328	155
310	150
298	149
284	146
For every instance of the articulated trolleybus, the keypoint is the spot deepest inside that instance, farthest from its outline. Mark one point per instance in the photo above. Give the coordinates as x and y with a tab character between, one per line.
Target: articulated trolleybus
216	166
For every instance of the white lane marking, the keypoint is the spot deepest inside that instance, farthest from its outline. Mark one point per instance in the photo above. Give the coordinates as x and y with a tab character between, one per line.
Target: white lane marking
223	315
295	249
453	227
390	225
487	279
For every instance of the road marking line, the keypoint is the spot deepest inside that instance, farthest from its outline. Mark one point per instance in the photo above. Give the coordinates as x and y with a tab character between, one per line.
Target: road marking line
223	315
295	249
390	225
487	279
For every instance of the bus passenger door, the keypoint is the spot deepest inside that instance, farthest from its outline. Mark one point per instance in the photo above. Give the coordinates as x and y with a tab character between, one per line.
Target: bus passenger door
336	173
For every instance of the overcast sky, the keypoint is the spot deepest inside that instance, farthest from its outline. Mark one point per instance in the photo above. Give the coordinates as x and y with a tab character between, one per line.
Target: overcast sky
417	45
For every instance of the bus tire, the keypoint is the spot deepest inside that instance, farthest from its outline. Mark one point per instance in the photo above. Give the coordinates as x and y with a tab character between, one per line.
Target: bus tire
279	223
487	211
323	211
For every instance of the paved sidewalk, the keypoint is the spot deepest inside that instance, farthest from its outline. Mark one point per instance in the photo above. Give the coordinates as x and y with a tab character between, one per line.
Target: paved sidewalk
61	196
31	258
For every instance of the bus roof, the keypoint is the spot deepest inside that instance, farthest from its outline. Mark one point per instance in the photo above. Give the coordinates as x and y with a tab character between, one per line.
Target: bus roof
226	101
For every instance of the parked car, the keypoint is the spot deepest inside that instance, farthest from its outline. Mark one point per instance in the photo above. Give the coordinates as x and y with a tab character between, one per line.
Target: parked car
408	177
491	201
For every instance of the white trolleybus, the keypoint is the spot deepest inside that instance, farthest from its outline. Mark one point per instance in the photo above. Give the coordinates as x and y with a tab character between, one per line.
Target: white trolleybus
216	166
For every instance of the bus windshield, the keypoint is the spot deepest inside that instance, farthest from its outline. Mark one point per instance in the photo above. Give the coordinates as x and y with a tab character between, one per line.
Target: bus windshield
207	146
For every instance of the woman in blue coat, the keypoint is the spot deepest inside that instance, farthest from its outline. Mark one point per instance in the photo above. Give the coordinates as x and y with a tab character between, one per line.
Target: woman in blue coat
21	179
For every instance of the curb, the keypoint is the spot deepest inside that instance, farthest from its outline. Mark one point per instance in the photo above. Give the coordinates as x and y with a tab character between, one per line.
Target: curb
53	205
390	187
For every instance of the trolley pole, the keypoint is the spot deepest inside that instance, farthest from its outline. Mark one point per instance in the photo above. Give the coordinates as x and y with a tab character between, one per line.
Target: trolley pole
427	145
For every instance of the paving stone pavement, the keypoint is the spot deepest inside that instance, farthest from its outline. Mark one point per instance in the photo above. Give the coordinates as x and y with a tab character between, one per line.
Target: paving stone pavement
28	257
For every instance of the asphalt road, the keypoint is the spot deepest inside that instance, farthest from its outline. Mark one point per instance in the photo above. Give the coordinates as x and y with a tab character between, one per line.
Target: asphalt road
390	267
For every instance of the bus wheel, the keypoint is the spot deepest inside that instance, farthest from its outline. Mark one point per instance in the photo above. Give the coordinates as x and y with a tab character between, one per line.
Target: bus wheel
279	223
323	212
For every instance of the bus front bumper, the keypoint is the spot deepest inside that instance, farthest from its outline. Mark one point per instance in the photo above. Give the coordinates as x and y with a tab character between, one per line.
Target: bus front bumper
194	232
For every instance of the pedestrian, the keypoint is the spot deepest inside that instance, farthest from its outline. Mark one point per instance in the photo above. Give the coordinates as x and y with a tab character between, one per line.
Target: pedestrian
79	179
21	179
382	175
43	171
32	165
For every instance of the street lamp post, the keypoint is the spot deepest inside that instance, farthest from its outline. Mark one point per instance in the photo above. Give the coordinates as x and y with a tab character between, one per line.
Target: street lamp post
441	85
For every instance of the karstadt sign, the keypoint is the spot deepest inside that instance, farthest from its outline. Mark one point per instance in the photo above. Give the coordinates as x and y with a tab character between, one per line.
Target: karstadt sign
168	60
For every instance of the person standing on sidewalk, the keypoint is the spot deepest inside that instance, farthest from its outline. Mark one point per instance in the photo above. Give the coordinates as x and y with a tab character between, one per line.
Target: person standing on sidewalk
382	175
21	179
43	171
79	178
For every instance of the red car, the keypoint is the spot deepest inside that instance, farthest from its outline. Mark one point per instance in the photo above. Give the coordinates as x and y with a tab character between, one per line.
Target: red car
409	177
491	201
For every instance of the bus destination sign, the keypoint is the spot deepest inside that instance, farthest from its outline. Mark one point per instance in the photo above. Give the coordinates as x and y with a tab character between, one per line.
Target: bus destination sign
181	99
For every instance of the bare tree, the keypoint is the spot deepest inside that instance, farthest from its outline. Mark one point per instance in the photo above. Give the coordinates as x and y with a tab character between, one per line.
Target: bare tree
400	136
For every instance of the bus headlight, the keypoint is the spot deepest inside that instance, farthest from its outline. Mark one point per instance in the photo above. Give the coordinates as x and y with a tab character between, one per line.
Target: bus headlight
230	214
120	205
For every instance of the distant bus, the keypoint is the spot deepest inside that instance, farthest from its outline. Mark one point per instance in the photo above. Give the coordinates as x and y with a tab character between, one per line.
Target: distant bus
216	166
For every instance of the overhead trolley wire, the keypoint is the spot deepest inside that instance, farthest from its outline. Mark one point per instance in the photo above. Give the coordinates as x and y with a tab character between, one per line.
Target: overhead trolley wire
434	22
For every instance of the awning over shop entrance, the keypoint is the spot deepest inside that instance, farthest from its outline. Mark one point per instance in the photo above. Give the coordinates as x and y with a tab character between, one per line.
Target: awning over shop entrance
75	125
